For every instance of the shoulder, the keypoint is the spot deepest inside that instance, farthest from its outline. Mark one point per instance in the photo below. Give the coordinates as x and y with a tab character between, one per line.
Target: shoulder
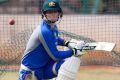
44	29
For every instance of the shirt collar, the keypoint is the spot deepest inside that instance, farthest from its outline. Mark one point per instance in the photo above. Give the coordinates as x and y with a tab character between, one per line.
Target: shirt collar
48	25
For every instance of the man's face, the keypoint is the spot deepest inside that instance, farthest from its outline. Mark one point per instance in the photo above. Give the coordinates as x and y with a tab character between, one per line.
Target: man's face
52	15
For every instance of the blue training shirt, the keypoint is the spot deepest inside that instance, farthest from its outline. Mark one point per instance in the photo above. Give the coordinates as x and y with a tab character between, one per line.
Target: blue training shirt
42	47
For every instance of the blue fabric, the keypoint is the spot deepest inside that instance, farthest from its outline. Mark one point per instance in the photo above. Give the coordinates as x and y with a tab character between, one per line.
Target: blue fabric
60	41
23	74
48	73
37	57
42	73
51	41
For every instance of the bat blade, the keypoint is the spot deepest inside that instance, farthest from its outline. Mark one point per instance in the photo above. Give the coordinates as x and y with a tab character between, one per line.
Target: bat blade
106	46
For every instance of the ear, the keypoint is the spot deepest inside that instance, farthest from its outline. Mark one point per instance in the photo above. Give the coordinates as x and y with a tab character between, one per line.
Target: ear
61	14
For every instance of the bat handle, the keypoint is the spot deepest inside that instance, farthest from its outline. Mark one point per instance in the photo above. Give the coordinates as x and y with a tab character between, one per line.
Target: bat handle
86	48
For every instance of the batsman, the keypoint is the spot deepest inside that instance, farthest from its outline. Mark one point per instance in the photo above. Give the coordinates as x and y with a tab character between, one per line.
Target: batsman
41	59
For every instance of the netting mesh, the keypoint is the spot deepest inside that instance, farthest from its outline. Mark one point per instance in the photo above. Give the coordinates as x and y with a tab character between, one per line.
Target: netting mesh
100	23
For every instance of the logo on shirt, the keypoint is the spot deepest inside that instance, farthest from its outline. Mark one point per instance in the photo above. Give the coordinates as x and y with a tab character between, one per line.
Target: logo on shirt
56	43
55	35
28	77
51	4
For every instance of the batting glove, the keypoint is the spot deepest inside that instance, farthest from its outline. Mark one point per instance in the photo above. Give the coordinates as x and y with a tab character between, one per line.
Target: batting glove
66	43
70	44
77	51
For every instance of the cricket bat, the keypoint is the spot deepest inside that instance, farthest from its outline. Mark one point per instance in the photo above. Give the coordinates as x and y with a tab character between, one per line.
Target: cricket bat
105	46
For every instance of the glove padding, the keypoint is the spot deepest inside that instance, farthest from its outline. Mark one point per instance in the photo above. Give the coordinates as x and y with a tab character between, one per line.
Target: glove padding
79	47
76	46
66	43
71	44
77	50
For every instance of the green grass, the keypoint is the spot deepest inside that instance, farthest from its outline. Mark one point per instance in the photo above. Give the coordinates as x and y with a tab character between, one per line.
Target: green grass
82	75
98	75
9	76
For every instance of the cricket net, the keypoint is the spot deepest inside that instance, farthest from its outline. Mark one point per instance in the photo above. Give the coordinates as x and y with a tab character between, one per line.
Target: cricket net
101	22
87	27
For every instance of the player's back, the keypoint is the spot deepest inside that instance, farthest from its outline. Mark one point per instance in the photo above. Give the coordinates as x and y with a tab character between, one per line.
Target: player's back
35	56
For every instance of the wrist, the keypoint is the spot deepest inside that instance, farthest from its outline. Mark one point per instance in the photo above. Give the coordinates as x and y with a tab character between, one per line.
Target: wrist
66	43
74	51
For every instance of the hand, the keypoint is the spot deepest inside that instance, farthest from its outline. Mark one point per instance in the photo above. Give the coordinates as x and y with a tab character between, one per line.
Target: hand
79	45
78	48
70	44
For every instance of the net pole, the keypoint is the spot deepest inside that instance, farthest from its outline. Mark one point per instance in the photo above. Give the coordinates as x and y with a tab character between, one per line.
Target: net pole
84	9
95	7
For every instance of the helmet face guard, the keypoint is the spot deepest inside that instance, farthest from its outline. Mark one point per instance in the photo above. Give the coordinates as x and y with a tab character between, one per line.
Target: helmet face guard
51	5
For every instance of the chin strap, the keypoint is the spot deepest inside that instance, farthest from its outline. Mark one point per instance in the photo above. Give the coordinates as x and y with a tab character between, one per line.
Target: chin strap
51	21
56	22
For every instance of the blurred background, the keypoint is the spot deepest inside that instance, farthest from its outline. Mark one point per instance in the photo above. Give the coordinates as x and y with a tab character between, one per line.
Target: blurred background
89	20
69	6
